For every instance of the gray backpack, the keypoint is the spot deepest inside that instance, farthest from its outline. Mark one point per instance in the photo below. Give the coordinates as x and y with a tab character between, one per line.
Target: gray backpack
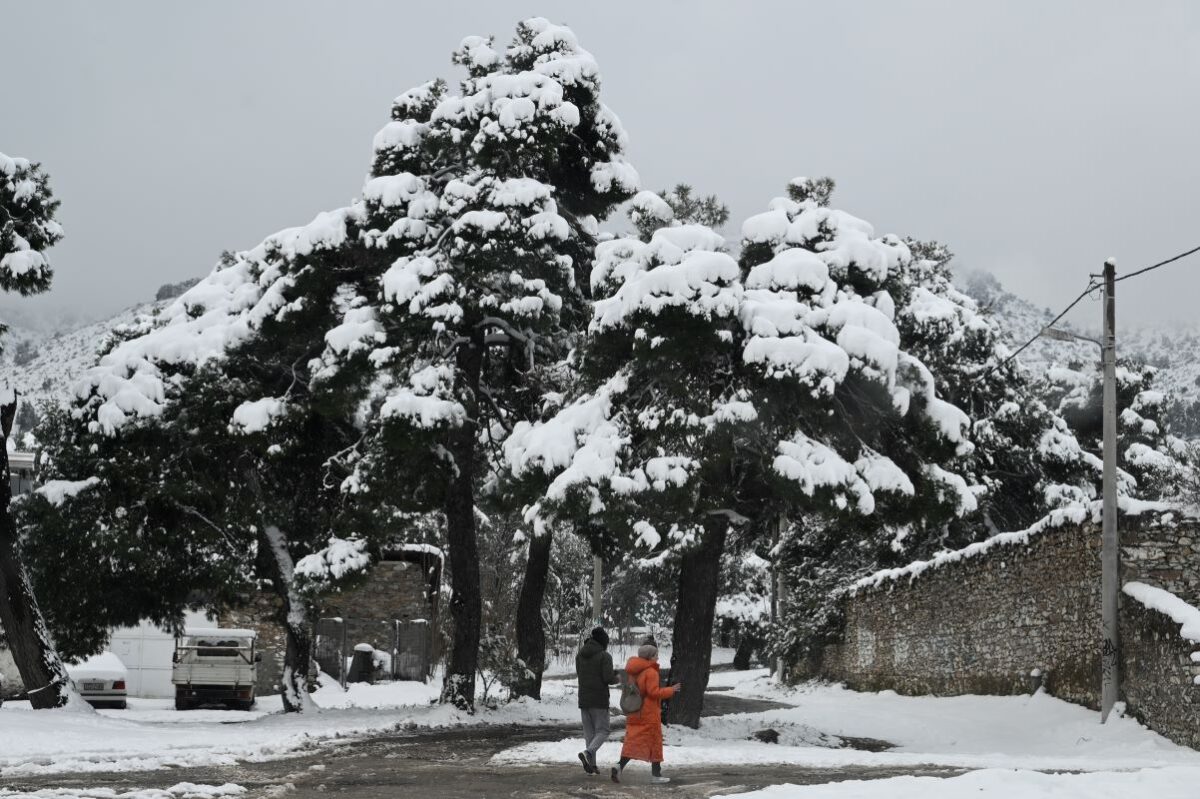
631	697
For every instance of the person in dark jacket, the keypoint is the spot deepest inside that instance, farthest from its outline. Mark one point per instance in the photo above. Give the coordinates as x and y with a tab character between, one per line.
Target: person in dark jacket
594	669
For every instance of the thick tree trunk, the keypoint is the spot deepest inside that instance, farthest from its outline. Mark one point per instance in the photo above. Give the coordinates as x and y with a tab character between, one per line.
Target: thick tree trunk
40	667
691	643
531	634
465	603
297	625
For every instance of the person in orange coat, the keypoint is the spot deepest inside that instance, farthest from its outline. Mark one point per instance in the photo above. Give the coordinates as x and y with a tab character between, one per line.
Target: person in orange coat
643	729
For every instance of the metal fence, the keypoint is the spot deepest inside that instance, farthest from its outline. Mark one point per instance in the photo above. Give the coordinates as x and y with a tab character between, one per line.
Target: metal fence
412	650
408	645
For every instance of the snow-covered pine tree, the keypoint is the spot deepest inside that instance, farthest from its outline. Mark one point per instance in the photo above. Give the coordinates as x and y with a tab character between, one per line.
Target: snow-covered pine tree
486	204
679	206
27	229
1023	453
1153	463
221	384
723	395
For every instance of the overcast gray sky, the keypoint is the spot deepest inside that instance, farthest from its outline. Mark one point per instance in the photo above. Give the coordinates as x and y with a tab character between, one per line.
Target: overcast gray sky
1035	138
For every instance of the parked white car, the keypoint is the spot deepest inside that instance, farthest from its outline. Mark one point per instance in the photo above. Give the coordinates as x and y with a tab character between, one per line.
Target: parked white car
101	680
215	666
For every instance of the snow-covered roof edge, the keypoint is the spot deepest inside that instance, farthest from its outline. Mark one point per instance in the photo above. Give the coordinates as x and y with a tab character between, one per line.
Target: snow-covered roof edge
1076	514
1187	616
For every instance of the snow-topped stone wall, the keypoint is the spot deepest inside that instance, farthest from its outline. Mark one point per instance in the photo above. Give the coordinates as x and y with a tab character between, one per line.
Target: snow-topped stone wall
1022	611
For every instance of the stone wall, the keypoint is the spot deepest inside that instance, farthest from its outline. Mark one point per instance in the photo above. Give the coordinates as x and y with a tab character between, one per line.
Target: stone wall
1164	555
403	587
262	613
981	625
395	589
1159	673
1023	611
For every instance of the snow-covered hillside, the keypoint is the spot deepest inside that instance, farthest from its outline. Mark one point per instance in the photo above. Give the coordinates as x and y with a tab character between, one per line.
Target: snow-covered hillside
52	357
1172	350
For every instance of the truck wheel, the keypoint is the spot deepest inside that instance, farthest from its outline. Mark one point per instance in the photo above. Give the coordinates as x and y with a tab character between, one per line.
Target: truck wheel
182	704
246	704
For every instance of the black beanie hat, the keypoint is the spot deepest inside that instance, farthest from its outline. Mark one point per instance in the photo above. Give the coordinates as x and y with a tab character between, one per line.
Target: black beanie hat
599	636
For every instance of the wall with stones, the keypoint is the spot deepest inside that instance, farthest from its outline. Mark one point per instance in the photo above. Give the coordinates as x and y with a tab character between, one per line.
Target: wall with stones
392	589
1024	612
1160	669
262	613
1165	555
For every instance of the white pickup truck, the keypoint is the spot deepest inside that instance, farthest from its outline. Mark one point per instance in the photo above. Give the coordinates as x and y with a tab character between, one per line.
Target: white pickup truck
215	666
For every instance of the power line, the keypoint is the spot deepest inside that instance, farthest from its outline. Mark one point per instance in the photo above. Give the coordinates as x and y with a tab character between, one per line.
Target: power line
1092	286
1157	265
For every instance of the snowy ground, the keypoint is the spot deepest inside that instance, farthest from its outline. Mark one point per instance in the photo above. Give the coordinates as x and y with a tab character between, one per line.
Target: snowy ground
151	734
1160	783
1010	739
1008	744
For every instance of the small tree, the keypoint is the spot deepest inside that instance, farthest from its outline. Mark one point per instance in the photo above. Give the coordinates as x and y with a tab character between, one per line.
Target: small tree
27	229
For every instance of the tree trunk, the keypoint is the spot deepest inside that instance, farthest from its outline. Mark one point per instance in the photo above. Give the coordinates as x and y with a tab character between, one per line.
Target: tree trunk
297	625
40	667
531	634
296	614
691	643
748	644
465	601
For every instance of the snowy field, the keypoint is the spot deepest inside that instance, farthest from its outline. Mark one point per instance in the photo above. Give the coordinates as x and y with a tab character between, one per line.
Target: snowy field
1011	739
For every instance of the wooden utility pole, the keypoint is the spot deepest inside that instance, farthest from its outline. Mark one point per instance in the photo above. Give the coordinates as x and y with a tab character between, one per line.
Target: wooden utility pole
1109	557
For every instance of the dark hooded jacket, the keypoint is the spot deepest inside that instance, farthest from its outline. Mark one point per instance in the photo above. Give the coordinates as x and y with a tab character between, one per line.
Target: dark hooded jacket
594	668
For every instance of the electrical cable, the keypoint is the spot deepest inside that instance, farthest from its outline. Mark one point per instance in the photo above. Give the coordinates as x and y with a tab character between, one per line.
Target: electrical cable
1092	286
1157	265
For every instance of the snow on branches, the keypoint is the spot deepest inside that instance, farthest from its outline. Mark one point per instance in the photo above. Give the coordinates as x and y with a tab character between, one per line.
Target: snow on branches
27	226
699	366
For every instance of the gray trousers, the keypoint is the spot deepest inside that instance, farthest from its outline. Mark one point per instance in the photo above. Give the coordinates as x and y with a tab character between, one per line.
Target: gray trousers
595	728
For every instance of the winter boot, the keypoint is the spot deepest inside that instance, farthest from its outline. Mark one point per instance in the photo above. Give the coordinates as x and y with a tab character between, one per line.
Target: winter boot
588	768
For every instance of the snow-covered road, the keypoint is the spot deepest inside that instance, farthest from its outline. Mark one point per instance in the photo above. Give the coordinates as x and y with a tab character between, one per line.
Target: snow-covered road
905	746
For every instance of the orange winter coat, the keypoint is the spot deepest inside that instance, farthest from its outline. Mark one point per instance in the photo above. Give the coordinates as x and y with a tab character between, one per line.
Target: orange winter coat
643	730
